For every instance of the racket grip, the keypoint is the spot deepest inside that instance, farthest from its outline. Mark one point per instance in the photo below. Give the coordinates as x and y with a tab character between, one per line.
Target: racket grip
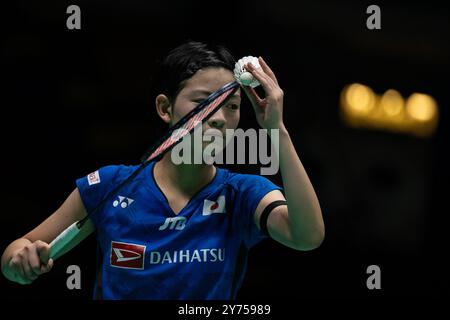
63	239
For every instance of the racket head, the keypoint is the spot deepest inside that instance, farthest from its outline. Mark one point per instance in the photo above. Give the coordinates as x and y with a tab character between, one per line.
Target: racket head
201	113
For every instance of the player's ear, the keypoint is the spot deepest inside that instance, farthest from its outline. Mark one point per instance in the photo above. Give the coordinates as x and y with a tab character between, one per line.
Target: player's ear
164	107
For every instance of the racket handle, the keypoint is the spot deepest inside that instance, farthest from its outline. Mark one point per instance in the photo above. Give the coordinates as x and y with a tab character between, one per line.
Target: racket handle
63	239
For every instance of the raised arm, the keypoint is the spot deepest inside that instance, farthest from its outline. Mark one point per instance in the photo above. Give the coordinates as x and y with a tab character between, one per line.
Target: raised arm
298	225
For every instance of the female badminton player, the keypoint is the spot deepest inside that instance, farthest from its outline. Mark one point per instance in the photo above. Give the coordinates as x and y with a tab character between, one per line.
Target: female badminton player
183	231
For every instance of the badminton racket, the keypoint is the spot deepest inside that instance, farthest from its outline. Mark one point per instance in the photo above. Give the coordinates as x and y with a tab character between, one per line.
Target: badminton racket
197	116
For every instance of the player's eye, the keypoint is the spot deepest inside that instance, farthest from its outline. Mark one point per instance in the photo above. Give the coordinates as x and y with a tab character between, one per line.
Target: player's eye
233	106
197	101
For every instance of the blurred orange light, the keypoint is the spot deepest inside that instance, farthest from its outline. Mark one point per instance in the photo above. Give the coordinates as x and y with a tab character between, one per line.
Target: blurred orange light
392	102
359	98
361	107
421	107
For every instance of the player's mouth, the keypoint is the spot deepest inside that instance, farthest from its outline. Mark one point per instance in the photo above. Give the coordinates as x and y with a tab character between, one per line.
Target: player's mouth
214	133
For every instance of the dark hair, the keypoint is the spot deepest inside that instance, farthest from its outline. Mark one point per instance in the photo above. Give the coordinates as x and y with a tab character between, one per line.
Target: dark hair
185	60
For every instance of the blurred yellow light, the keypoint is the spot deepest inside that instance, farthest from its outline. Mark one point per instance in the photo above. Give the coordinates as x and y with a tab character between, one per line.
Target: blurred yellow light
421	107
362	108
392	102
359	97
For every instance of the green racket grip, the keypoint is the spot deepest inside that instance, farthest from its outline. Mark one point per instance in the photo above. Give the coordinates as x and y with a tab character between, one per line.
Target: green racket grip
64	238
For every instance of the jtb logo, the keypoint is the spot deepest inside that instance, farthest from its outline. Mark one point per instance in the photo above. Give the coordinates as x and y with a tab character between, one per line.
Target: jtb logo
177	223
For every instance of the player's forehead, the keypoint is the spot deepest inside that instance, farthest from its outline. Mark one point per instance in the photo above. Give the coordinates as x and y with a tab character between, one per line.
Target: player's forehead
206	81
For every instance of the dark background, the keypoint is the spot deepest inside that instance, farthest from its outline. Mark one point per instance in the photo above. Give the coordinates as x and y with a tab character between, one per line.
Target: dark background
75	100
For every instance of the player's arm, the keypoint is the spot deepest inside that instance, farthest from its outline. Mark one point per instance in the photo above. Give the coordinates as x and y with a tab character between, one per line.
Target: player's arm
299	224
28	257
282	227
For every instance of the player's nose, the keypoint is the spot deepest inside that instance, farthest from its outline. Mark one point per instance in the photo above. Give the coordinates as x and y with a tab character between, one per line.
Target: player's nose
217	120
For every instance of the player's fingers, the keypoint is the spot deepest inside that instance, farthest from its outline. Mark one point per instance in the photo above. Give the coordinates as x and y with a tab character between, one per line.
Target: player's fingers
258	104
43	250
28	273
34	262
17	269
35	271
252	95
46	268
20	277
15	264
266	82
267	70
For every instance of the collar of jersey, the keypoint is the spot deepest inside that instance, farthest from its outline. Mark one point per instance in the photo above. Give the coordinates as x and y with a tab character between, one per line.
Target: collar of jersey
199	196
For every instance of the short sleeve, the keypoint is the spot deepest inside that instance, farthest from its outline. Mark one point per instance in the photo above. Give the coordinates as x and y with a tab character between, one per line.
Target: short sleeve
94	187
252	188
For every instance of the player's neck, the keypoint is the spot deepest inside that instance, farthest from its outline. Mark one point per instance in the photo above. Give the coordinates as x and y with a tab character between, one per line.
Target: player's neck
187	178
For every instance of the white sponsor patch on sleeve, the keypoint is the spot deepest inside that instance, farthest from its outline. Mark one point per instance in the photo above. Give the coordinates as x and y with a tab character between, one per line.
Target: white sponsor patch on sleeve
93	178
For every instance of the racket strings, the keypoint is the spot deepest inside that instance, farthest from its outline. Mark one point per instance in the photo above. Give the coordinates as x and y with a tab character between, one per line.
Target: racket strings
206	112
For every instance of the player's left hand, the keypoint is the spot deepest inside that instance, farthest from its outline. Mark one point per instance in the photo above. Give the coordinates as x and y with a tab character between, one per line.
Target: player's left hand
268	110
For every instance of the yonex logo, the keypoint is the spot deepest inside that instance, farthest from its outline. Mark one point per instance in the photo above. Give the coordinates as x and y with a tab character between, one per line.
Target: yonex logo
123	201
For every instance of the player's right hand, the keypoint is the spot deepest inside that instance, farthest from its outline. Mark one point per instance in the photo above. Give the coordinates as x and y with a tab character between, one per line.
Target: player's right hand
30	262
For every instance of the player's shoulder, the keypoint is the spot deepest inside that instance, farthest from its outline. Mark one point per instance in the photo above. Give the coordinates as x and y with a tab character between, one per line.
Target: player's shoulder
114	172
241	181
